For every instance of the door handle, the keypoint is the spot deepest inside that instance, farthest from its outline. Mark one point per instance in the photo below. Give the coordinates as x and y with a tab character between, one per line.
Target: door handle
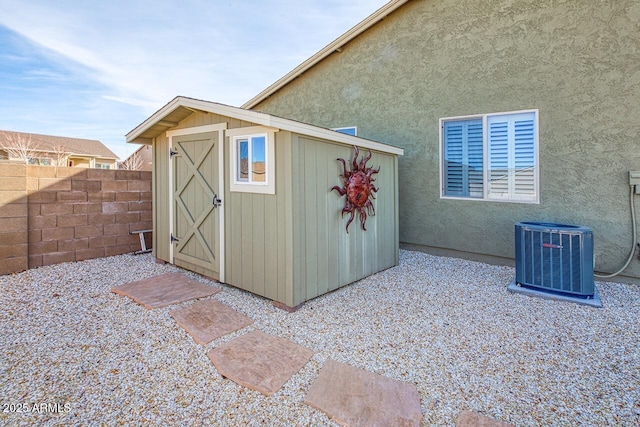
216	201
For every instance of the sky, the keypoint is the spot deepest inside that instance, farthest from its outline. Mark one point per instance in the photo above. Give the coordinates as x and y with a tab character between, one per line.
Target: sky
97	69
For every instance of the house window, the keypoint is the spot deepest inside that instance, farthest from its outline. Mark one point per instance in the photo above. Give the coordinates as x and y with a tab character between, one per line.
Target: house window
103	166
490	157
252	160
349	130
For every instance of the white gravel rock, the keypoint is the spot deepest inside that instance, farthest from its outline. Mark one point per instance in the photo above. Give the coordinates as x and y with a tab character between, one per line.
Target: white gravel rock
446	325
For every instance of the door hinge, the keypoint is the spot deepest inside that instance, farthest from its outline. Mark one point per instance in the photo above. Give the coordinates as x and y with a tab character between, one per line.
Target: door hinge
174	239
216	201
172	153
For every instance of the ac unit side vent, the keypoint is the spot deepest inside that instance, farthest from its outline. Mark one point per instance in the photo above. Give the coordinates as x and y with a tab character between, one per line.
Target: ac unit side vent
555	257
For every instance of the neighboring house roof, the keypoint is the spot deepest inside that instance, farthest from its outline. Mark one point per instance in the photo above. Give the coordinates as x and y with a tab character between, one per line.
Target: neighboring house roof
181	107
73	146
333	47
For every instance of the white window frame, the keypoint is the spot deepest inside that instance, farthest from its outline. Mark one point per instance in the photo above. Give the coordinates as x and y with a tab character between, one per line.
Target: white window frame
487	197
341	129
235	135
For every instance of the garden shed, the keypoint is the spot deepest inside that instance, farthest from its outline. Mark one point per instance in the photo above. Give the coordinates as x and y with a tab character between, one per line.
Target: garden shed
245	198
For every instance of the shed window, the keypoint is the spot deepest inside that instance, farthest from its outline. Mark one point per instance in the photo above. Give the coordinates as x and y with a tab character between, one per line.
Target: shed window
490	157
252	160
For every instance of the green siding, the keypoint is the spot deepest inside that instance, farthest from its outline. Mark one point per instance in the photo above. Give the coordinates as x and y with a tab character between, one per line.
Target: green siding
325	256
256	237
161	198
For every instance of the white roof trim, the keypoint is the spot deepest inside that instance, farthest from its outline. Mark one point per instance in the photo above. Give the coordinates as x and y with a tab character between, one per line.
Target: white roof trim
354	32
260	119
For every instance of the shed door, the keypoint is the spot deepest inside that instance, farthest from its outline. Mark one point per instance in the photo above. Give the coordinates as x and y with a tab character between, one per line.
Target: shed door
195	190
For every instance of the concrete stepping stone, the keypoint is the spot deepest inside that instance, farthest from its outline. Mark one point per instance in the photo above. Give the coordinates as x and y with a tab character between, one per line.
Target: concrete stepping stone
259	361
355	397
166	289
209	319
475	419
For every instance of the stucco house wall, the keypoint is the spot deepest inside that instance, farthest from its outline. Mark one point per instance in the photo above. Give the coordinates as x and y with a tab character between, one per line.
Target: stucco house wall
577	62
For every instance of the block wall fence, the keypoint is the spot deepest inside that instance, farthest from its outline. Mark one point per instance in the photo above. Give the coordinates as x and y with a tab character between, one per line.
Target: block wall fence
50	215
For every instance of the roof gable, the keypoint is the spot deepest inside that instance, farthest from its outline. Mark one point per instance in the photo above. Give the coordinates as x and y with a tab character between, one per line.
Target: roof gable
181	107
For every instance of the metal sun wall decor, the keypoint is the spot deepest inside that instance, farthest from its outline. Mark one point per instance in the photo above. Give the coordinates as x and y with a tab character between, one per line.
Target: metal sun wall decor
358	187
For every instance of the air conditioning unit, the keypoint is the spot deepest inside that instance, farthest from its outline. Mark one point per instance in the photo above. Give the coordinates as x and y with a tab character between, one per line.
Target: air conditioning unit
555	261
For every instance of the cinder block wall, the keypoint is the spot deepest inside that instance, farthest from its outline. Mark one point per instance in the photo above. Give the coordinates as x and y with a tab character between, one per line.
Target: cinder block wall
69	214
14	234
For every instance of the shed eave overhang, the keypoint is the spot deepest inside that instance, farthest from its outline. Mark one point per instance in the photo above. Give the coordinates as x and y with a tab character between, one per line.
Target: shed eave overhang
181	107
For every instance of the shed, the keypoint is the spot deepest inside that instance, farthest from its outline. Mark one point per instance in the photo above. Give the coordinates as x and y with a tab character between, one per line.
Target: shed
245	198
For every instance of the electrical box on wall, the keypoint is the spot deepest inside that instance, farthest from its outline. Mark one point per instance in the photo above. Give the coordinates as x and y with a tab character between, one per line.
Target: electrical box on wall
634	179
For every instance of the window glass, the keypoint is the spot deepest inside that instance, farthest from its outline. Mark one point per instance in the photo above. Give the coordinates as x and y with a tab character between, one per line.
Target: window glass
512	163
243	160
506	148
258	159
251	161
463	158
351	130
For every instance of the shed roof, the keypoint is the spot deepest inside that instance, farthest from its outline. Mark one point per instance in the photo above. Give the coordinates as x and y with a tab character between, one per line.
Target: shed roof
49	143
333	47
181	107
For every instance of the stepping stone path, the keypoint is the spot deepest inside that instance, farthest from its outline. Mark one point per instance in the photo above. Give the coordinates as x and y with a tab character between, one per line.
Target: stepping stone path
166	289
260	361
264	362
356	397
208	320
474	419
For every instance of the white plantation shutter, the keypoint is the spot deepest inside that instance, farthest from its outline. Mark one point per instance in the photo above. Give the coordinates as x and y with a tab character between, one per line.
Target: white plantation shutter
463	158
524	157
511	142
498	170
453	157
475	158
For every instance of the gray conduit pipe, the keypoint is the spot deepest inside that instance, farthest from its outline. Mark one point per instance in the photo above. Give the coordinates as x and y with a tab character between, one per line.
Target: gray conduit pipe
635	239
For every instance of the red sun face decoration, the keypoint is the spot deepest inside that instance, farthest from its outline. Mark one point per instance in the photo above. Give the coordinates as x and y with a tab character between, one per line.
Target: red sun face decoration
358	187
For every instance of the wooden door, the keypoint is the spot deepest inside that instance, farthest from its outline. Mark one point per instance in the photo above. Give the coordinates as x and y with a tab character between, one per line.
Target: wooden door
195	201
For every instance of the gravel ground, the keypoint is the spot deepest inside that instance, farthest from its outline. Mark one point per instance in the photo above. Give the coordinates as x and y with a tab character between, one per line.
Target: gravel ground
446	325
